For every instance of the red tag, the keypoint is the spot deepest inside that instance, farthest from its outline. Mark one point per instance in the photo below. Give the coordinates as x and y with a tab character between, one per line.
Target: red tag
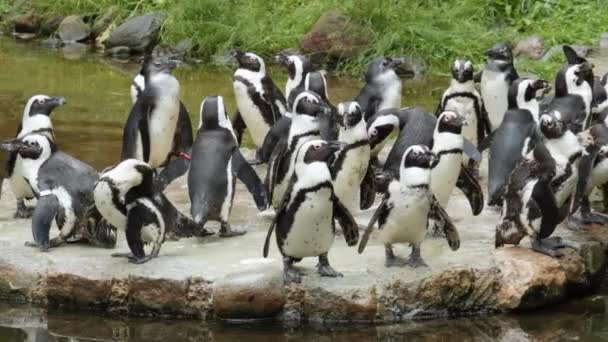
184	155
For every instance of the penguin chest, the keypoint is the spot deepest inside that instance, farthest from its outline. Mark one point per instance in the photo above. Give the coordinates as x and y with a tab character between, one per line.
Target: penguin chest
391	95
445	175
19	185
312	231
466	107
494	91
163	122
531	223
408	217
251	113
66	217
350	175
283	179
106	200
599	175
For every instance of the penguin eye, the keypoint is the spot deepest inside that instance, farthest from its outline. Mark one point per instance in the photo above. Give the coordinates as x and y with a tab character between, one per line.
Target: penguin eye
317	147
385	62
374	132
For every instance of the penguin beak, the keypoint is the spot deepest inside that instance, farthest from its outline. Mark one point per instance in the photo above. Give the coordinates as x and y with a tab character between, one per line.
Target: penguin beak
58	101
402	67
335	146
459	120
395	62
280	59
12	145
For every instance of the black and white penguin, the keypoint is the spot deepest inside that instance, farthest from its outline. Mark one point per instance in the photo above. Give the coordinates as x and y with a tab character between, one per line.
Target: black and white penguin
462	97
182	139
216	163
530	208
573	92
305	220
351	170
36	119
600	94
126	196
515	136
406	208
63	187
150	129
298	67
308	107
496	79
259	102
382	87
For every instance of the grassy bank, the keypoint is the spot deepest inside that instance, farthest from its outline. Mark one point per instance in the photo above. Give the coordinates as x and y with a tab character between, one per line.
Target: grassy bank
435	31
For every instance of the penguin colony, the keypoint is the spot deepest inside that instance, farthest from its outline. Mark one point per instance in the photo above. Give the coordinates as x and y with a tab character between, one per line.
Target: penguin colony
546	155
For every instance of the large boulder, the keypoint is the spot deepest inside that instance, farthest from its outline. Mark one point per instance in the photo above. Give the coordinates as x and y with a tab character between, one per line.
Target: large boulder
27	23
336	36
73	29
531	47
138	33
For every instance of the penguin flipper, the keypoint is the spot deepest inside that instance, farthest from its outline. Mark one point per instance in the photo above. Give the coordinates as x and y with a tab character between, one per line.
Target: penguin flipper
133	231
274	165
470	150
247	175
279	212
238	125
469	185
347	222
543	196
477	76
370	226
486	142
42	218
278	131
274	97
585	166
443	221
367	193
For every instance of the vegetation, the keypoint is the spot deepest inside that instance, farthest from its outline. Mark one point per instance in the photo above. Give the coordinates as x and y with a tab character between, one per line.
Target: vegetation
435	31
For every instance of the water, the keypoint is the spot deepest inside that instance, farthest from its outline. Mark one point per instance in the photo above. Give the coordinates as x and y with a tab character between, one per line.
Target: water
90	128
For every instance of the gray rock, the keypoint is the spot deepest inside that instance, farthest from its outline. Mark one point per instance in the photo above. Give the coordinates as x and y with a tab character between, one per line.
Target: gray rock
604	39
51	43
27	23
50	25
581	50
138	33
73	29
120	52
104	21
531	47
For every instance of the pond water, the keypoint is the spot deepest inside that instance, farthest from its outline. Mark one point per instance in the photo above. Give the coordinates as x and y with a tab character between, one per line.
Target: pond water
90	128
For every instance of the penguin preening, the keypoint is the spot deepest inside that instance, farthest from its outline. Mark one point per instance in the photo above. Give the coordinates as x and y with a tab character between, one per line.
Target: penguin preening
351	170
515	136
496	79
406	207
216	163
36	119
382	87
182	139
259	102
305	219
63	186
126	196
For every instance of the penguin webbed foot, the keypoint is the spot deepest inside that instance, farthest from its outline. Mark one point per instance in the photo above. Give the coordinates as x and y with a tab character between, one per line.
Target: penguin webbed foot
123	255
325	270
392	260
138	261
415	262
596	218
551	246
227	231
291	274
23	211
43	248
58	241
200	231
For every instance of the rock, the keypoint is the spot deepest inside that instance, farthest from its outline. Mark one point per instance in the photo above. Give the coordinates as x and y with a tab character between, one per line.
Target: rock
74	51
51	43
103	22
50	25
138	33
252	293
27	23
581	50
120	52
73	29
336	36
24	36
183	46
604	40
531	47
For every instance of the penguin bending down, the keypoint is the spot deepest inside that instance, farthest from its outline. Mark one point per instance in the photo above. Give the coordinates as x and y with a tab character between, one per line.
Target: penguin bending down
406	208
182	139
305	220
308	107
126	196
382	86
592	172
496	79
36	119
216	163
515	136
350	169
259	102
417	127
530	208
462	97
63	187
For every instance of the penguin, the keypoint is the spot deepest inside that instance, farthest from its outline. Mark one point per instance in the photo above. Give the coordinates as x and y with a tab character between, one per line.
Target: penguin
600	94
305	220
462	97
126	196
406	207
416	127
308	107
298	67
216	163
592	172
150	129
496	79
259	102
63	187
573	92
515	136
182	139
351	170
36	119
382	87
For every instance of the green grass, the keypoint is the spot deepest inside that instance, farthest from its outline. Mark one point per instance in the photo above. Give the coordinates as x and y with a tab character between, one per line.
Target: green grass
435	31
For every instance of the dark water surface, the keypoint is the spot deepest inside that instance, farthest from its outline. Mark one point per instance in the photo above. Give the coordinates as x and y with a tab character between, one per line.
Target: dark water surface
90	128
